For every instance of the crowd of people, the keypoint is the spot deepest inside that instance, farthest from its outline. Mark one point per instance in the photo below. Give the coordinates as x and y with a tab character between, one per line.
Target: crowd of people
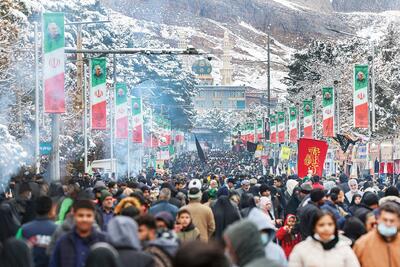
220	213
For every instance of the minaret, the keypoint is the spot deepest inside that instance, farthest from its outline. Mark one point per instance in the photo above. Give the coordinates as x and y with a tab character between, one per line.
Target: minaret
183	44
227	70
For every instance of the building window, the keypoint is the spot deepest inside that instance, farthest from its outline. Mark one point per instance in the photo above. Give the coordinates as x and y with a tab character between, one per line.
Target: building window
240	104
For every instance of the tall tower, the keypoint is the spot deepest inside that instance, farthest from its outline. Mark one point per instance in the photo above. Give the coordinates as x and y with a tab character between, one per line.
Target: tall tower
227	70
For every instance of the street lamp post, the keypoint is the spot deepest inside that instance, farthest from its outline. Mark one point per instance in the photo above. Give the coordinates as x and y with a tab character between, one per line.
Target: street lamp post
372	75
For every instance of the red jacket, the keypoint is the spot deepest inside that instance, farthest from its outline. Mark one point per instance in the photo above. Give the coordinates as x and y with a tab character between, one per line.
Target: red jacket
287	240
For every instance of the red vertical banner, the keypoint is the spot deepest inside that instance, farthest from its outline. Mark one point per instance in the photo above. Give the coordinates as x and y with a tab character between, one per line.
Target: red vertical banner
311	156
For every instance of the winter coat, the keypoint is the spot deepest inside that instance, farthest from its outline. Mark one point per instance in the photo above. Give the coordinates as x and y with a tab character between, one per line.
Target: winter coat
306	214
224	215
163	249
190	233
65	255
203	219
245	240
163	205
310	253
38	233
61	230
286	239
272	250
372	250
332	208
123	236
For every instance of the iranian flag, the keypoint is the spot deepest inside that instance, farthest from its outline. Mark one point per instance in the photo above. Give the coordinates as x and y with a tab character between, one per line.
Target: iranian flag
281	126
137	120
272	122
165	130
328	111
293	133
308	118
179	137
53	62
121	111
98	93
250	132
360	97
260	129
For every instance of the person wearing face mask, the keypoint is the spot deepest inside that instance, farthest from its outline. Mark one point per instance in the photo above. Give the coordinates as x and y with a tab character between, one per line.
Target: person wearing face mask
380	246
323	248
244	245
353	185
272	250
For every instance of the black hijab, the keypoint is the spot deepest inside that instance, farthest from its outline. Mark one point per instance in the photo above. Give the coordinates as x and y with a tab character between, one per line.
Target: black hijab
224	214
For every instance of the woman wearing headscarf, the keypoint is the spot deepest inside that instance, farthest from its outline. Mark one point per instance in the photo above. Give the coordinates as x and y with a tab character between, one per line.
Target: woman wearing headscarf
287	235
355	203
265	205
225	213
353	185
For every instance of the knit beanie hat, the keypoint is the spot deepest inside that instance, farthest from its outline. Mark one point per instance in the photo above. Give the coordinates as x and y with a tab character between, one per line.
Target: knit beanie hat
104	195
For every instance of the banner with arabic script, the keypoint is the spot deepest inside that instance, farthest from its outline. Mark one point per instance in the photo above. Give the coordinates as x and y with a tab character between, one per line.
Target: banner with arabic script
311	156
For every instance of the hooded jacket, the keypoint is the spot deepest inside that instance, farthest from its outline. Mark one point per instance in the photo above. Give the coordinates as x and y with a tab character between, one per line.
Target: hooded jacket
246	243
286	239
272	250
123	235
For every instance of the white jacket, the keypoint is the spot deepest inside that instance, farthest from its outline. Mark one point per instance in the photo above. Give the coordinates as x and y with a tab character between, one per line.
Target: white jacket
310	253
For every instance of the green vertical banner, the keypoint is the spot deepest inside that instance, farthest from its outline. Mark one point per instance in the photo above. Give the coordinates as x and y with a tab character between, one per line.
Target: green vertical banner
98	93
281	127
121	111
272	122
328	112
53	62
250	131
360	97
137	120
293	131
308	112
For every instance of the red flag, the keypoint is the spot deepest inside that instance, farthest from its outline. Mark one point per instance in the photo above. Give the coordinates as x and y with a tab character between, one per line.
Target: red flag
311	156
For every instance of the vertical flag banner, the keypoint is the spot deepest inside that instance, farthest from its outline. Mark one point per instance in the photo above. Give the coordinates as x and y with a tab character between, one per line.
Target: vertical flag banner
328	112
293	132
311	156
121	111
360	97
281	127
308	118
250	131
273	128
53	62
267	131
260	130
137	120
98	93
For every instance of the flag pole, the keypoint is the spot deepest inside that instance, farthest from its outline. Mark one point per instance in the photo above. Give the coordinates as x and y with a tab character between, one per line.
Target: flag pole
37	99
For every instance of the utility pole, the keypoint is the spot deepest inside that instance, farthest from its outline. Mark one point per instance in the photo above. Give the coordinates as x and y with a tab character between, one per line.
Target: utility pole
336	92
37	100
79	101
112	112
371	59
269	74
85	118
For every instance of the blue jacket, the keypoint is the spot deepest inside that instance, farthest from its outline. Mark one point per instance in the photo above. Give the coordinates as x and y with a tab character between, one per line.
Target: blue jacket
164	205
331	207
39	233
72	250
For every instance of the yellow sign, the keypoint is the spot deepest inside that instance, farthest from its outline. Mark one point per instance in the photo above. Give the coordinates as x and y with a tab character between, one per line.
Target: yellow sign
285	153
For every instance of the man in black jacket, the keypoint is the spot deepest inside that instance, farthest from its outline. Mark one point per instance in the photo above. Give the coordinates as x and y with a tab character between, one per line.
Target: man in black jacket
307	213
